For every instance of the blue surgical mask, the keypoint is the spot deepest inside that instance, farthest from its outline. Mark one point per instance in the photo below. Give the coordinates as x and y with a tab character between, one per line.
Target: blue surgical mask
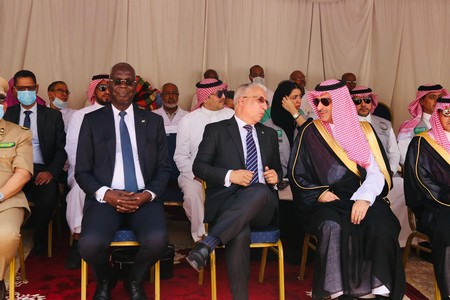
2	111
26	97
59	103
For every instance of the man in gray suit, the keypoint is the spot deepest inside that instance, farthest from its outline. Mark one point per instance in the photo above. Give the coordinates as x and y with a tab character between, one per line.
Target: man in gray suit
239	160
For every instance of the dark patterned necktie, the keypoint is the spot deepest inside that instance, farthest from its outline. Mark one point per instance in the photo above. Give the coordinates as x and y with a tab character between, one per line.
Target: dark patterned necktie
252	156
27	121
127	156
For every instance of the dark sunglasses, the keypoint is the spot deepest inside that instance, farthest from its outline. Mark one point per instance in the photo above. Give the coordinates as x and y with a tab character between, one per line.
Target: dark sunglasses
359	101
324	101
221	93
102	87
260	99
117	81
445	112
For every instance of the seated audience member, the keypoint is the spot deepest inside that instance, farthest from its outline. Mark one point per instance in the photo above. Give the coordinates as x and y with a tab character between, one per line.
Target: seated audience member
257	75
229	99
299	78
170	111
15	170
285	110
427	188
11	96
350	80
210	73
146	97
97	96
122	165
339	179
58	95
238	159
366	102
210	109
420	109
49	138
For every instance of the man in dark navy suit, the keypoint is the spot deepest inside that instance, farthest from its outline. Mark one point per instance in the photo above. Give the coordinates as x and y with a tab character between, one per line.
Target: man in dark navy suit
49	155
240	162
122	166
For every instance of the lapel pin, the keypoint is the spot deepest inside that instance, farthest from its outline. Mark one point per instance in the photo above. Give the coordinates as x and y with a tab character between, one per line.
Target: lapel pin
2	131
142	121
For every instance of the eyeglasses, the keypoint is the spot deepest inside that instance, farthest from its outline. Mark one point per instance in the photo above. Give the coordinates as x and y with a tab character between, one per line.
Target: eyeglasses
324	101
260	99
351	81
62	91
221	93
170	93
359	101
432	96
24	88
102	87
117	81
445	112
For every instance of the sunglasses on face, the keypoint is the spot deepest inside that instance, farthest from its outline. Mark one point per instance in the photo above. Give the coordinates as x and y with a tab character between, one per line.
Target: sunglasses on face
260	99
324	101
359	101
117	81
102	87
445	112
221	93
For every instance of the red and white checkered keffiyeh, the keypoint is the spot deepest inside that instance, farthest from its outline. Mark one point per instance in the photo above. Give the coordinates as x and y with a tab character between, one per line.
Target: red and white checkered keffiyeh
437	132
364	92
96	79
415	109
206	88
348	132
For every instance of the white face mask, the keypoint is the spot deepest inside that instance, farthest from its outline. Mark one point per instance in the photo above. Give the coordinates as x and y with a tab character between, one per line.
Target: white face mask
59	103
259	80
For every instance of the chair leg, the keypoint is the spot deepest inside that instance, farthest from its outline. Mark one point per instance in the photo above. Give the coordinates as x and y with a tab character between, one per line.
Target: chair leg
281	269
12	278
23	271
437	293
157	280
201	275
301	276
407	249
212	261
84	279
49	239
262	268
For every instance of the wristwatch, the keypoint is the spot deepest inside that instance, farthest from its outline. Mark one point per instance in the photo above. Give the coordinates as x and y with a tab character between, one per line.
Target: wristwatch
1	197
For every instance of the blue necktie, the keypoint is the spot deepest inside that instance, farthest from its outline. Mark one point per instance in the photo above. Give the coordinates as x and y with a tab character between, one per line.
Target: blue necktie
127	156
252	155
27	121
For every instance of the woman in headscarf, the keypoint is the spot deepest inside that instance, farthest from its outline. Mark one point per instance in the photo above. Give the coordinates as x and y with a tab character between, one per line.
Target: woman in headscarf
285	111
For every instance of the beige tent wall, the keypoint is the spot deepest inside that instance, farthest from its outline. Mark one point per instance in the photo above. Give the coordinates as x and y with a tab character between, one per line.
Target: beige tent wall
391	45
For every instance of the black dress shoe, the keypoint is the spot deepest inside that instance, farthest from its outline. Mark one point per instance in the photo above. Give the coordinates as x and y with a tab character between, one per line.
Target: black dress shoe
2	290
73	260
198	256
135	290
103	290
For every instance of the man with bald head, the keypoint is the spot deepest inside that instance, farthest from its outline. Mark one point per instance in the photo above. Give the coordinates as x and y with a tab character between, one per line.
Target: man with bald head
170	111
122	176
350	80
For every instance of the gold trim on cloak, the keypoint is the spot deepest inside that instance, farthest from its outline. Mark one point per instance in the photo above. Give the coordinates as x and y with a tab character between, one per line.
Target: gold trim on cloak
439	149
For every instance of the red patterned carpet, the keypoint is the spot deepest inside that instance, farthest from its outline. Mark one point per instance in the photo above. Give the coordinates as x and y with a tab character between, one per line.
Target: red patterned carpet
48	279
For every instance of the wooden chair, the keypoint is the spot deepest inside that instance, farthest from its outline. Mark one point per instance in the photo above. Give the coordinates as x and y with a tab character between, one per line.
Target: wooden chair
309	241
122	238
268	238
418	247
12	271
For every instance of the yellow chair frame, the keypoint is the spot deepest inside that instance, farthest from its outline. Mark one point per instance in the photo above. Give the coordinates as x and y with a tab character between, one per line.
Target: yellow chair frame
12	271
309	241
155	276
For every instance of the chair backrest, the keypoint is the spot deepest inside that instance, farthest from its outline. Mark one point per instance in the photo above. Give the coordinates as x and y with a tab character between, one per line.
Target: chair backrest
173	194
383	111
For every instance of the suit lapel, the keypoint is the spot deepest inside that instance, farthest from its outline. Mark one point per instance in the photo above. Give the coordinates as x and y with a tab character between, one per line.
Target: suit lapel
109	132
140	126
40	123
236	137
262	141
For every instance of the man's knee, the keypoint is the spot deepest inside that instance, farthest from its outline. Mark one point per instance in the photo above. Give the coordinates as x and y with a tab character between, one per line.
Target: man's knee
91	245
155	241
